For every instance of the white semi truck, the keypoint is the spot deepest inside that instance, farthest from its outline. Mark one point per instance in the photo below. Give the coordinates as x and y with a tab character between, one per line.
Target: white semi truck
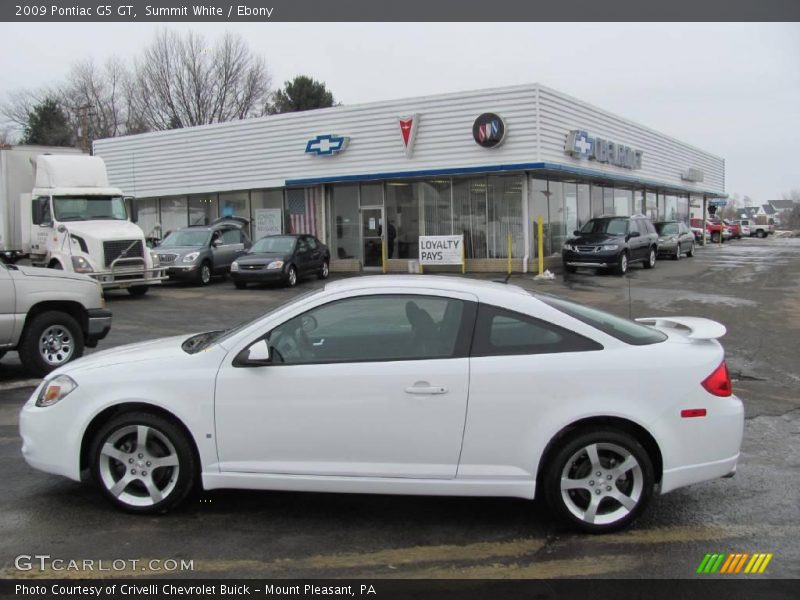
72	219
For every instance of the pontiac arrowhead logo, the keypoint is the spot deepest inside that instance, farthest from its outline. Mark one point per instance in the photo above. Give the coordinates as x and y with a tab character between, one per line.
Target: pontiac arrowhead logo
408	131
327	144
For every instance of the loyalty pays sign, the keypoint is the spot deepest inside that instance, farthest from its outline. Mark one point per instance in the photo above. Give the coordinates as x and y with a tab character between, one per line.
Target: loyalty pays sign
441	249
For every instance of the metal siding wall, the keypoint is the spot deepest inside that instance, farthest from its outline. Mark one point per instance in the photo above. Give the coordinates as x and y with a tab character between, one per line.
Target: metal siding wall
264	152
663	160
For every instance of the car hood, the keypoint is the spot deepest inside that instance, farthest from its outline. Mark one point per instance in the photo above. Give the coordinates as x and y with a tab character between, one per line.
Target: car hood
160	350
591	239
51	273
261	257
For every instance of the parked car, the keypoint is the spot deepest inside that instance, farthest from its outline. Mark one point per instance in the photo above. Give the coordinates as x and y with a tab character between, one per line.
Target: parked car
674	239
199	252
368	381
743	227
713	229
283	258
759	227
49	316
734	227
612	243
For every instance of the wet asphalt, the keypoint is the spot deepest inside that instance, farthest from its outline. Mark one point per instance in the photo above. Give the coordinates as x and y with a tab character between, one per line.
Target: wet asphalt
752	286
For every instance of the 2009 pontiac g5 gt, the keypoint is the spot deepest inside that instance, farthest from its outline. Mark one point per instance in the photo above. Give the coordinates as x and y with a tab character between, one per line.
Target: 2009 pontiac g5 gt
402	385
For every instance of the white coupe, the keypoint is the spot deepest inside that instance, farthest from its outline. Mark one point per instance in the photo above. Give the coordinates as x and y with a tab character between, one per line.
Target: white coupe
402	385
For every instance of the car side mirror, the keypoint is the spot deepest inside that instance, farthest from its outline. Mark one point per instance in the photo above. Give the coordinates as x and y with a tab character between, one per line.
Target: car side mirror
133	208
576	232
217	243
255	355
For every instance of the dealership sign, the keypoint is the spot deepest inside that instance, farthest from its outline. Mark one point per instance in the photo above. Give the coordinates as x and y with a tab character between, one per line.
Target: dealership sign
489	130
408	132
327	144
581	145
441	249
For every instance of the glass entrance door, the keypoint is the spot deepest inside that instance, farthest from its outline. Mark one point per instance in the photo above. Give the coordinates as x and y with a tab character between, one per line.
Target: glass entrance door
372	236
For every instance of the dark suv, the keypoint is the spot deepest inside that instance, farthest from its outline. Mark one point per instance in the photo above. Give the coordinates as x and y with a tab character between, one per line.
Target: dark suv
612	243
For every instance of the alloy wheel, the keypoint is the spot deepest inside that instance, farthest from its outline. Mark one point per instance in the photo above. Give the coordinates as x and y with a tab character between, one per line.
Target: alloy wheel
601	483
56	345
292	276
139	465
205	274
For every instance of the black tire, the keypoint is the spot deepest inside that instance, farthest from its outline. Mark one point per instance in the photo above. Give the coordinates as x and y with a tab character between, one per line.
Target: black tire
121	432
33	357
715	237
55	265
204	273
622	264
291	276
690	252
761	234
2	354
240	285
570	460
139	290
650	261
324	270
677	255
570	269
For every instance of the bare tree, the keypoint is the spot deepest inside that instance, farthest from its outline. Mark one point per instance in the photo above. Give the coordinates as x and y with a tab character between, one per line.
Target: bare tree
181	81
18	106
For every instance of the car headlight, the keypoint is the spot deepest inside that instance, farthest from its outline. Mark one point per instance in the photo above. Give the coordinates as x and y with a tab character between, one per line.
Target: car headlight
155	258
611	247
568	247
191	257
81	265
275	264
56	389
234	266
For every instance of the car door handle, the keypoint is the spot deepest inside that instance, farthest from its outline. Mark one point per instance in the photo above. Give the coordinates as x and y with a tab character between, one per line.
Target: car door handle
319	343
423	389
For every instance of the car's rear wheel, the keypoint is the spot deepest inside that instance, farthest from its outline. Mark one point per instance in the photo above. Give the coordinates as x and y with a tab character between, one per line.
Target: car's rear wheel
622	264
599	480
143	463
651	259
291	276
324	270
715	238
761	233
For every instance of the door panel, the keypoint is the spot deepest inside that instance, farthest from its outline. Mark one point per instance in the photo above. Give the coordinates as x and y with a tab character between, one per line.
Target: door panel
343	419
372	236
7	306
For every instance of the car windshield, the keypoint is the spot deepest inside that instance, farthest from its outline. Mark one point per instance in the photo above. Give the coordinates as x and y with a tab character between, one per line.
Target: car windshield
611	226
667	228
89	208
274	243
624	330
194	239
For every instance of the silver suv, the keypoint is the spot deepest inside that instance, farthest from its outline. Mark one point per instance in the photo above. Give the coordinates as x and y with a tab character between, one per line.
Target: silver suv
198	252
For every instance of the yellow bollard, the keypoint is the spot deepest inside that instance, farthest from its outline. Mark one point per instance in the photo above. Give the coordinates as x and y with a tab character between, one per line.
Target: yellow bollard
383	256
540	238
509	253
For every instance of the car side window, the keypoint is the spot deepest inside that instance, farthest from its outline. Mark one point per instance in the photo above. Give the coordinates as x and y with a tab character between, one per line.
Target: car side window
649	225
231	236
375	328
302	245
501	332
312	243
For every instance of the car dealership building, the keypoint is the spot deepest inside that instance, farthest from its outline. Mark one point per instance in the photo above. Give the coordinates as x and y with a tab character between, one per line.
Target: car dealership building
483	164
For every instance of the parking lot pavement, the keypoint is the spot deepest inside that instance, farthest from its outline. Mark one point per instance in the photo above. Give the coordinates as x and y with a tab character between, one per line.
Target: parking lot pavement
749	285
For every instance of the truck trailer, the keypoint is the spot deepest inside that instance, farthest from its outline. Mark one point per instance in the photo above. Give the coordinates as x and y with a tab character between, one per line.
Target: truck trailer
58	209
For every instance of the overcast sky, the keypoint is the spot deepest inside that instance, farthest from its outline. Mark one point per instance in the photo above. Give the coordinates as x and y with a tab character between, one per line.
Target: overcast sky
731	89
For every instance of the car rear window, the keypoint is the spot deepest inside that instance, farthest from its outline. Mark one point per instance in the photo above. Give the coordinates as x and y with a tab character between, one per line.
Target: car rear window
624	330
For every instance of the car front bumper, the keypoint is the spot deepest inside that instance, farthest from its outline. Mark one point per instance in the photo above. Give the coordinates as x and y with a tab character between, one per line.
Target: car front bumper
258	275
183	272
99	326
603	259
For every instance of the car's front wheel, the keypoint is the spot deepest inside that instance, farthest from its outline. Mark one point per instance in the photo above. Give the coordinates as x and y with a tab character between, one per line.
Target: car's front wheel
291	276
690	251
324	270
143	463
204	274
50	340
599	480
622	264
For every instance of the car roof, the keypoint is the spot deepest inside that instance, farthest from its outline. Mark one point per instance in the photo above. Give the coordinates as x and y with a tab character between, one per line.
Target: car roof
425	282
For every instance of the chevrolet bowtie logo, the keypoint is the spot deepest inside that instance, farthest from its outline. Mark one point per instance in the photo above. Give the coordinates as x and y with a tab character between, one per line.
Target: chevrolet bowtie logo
325	145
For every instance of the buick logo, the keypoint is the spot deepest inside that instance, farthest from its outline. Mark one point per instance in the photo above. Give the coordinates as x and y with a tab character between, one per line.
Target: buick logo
489	130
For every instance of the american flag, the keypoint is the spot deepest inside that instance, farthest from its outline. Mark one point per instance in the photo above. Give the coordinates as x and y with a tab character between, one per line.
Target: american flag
302	205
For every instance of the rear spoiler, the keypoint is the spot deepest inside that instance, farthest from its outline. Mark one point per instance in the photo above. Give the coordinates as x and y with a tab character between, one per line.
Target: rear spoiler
697	327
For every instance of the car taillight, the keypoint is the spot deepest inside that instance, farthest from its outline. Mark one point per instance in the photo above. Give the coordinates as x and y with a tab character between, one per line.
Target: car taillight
719	382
